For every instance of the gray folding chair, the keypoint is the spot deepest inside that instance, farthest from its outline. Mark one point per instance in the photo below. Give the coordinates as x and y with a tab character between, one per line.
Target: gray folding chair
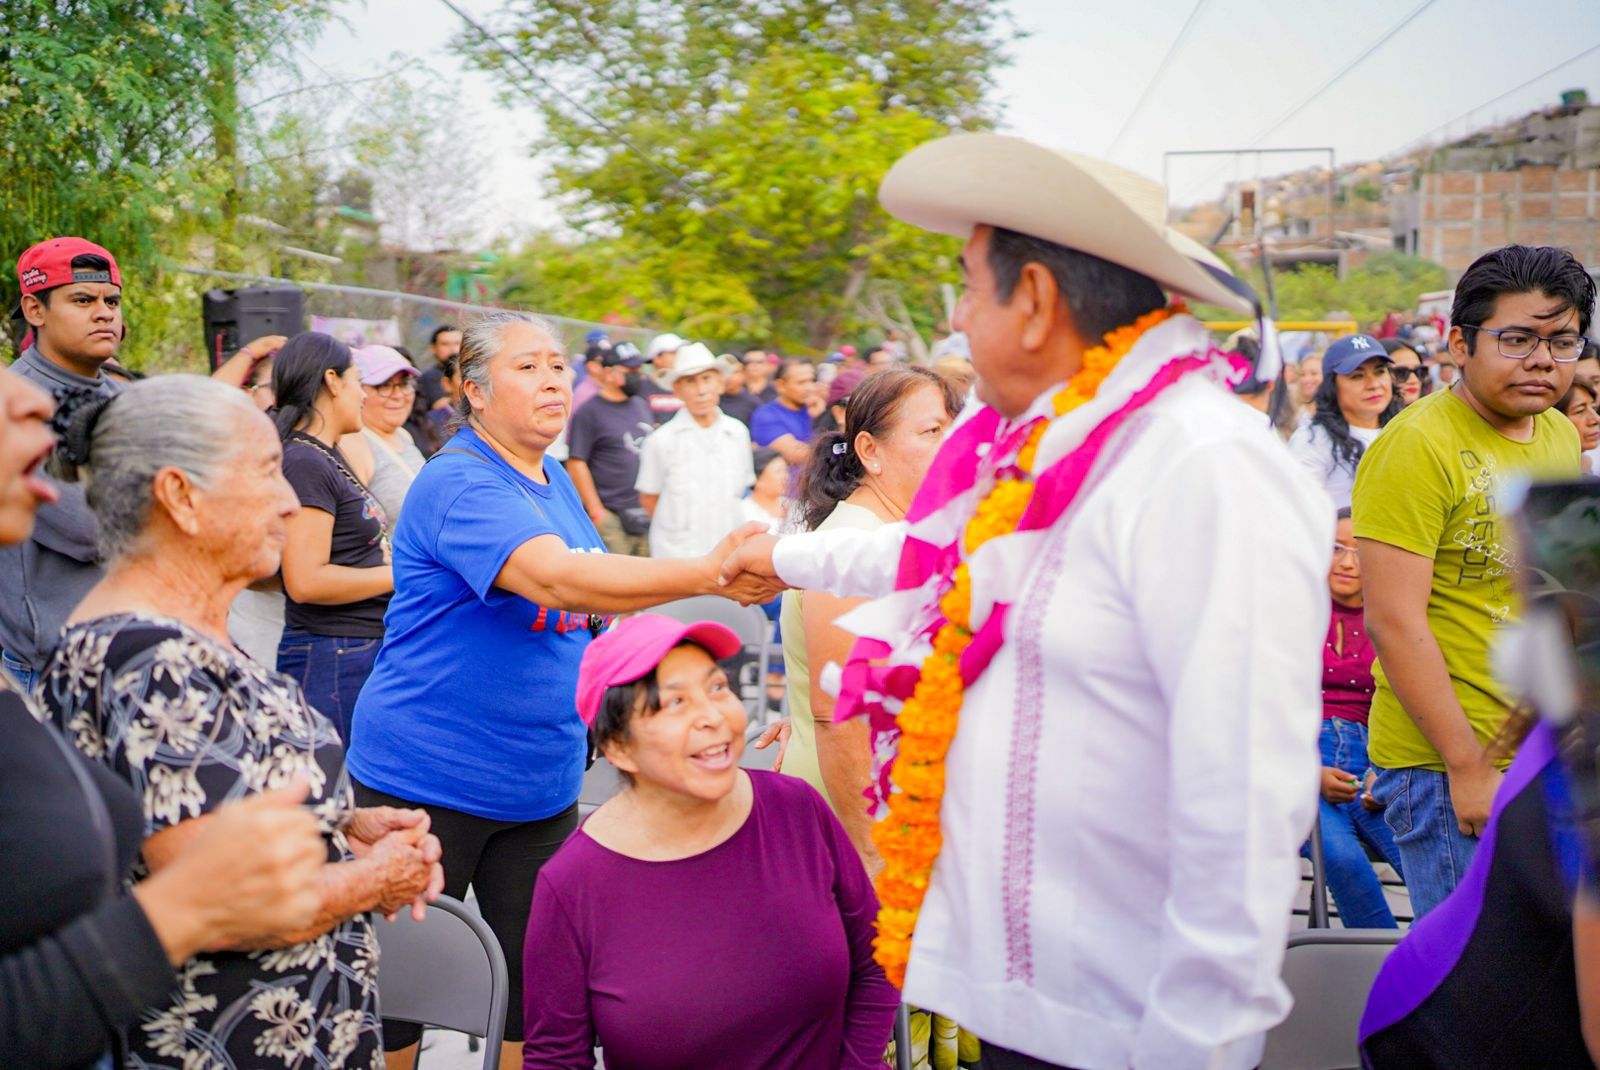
445	971
752	627
1329	972
902	1038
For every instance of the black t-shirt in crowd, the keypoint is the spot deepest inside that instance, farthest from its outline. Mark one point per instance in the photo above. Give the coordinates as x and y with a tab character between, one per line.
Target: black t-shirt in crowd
323	482
606	435
741	406
76	955
664	404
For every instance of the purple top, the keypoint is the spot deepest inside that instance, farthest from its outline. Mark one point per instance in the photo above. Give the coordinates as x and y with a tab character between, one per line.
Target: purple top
1347	666
756	953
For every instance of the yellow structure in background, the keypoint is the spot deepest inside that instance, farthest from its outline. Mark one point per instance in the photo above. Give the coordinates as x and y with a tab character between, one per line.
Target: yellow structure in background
1335	327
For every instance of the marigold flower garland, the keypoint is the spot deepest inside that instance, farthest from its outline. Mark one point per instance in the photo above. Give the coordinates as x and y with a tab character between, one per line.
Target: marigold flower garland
908	837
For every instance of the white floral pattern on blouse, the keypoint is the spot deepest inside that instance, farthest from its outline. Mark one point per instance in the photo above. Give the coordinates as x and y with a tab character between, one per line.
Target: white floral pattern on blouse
192	724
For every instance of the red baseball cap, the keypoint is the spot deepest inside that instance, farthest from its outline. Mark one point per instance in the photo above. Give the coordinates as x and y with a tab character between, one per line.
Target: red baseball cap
630	650
49	264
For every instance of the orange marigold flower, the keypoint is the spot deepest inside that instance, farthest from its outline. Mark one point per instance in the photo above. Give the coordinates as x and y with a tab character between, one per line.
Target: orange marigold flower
924	781
913	810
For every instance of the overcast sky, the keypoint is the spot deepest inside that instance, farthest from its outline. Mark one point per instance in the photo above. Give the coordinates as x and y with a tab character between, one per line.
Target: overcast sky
1074	81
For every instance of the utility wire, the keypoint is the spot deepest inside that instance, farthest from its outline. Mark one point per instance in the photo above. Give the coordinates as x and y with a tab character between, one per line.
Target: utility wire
1161	69
1591	50
1382	40
1338	76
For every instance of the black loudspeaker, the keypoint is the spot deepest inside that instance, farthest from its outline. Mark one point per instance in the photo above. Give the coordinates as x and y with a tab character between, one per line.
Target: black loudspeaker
234	318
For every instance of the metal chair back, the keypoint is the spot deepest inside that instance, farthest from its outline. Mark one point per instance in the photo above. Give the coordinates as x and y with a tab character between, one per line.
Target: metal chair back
1329	972
447	971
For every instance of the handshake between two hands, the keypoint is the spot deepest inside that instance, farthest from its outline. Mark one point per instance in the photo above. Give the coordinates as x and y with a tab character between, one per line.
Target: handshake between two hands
742	566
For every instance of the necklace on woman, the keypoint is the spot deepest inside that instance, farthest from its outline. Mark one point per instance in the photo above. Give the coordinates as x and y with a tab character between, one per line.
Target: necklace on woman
373	506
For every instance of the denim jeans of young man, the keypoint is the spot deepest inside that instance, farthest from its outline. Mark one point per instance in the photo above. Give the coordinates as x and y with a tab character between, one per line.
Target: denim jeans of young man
1434	851
330	669
1348	829
19	672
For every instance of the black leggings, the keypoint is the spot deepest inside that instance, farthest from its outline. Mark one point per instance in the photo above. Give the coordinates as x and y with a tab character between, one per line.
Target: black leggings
500	860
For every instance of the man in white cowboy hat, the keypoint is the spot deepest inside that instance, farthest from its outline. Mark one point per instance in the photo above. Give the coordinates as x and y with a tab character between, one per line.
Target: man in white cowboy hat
1134	766
695	467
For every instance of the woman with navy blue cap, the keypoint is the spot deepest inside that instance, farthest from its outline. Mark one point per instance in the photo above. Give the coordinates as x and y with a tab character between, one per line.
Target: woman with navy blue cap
1356	399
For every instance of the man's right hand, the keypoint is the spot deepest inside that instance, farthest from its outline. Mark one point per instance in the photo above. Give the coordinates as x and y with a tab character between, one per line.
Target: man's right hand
747	585
1472	791
754	556
597	514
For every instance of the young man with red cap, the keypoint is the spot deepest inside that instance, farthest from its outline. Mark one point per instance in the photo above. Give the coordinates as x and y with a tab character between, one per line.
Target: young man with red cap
72	300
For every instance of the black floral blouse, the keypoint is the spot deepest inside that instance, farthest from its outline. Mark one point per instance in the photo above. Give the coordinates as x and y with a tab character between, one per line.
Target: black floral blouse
192	724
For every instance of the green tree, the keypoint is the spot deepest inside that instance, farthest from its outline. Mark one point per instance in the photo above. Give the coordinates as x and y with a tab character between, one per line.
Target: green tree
1385	282
119	122
739	146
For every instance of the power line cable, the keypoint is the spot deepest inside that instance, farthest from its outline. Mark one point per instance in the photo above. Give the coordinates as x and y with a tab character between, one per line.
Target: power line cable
1591	50
1338	76
1161	69
1366	53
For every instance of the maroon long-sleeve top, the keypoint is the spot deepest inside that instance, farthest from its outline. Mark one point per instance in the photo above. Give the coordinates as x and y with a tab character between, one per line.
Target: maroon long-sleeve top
756	953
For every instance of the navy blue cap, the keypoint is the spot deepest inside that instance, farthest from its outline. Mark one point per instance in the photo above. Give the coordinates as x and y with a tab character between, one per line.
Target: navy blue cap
1348	353
623	354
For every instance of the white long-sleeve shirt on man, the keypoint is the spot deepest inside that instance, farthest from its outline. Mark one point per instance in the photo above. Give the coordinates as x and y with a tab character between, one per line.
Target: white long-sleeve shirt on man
1136	770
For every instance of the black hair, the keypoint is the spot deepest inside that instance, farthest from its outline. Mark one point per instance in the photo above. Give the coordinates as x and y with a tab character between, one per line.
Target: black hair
763	458
1520	269
1250	349
406	353
1343	514
298	372
623	702
1347	449
443	328
81	262
1392	346
1102	296
1565	404
834	469
789	365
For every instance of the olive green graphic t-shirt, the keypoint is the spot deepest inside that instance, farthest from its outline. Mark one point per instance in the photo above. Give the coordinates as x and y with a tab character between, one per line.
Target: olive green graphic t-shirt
1429	484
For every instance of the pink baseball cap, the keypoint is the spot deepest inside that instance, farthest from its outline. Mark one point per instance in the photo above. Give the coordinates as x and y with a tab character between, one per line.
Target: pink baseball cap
379	364
630	650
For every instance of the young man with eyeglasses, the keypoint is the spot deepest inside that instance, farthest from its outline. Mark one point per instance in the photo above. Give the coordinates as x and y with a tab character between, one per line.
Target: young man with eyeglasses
1438	570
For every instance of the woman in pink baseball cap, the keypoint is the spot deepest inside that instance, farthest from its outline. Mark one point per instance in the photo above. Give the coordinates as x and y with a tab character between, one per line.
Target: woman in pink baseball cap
638	934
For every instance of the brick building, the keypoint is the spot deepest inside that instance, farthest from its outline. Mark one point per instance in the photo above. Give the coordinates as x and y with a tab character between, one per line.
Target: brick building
1455	215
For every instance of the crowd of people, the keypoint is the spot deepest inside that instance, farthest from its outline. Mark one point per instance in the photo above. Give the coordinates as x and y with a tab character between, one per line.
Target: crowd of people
325	635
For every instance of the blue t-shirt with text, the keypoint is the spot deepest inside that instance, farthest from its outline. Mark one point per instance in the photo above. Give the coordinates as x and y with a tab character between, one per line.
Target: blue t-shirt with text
471	705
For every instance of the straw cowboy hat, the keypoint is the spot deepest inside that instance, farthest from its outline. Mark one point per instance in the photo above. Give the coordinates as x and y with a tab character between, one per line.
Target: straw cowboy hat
957	182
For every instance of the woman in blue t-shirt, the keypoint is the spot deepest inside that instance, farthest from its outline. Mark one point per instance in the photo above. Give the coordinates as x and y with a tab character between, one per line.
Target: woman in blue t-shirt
500	584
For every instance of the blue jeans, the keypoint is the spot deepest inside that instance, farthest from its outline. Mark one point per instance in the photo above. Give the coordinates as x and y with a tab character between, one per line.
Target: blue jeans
1348	829
330	669
20	672
1432	846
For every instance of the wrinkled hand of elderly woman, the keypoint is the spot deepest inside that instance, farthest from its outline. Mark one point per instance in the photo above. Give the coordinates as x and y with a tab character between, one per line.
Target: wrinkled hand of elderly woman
401	848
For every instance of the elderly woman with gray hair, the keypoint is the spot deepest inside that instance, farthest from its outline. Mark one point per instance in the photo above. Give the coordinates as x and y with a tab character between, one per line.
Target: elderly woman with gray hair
500	582
184	476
